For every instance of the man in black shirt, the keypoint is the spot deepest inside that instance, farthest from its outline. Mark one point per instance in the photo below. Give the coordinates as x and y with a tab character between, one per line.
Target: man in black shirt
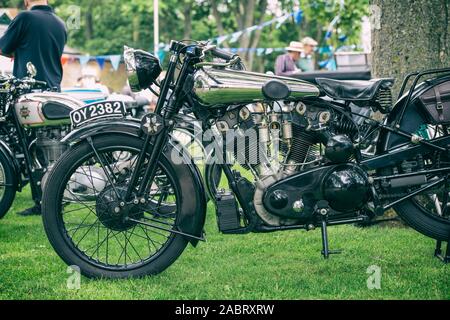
36	36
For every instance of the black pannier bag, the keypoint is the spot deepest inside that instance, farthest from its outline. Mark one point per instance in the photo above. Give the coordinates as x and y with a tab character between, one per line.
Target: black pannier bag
436	102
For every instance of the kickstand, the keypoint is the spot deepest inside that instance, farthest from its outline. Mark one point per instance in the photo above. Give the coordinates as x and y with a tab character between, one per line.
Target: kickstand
438	252
326	251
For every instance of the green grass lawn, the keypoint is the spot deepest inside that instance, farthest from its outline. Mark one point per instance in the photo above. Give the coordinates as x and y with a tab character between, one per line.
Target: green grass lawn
271	266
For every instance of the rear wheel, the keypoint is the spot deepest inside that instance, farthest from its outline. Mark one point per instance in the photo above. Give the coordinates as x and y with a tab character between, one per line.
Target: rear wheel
90	226
429	212
8	185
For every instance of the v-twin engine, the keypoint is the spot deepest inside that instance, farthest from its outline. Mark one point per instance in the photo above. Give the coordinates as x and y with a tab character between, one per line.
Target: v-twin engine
303	155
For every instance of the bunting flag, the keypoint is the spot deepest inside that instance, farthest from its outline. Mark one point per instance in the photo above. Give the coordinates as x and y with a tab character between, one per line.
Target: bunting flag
331	27
299	17
343	38
64	59
84	60
221	39
101	61
161	55
235	36
115	61
251	29
282	20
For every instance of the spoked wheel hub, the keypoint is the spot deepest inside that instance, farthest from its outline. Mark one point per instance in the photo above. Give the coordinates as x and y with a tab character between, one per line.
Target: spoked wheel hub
113	212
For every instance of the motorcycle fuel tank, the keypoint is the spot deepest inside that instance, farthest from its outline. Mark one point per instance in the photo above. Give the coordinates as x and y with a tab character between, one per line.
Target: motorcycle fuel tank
218	87
45	109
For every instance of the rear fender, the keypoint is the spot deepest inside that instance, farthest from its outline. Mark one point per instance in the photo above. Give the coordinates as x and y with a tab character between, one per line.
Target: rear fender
413	117
392	148
193	200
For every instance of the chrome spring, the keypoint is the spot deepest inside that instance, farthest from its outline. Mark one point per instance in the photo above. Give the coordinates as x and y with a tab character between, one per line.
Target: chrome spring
345	126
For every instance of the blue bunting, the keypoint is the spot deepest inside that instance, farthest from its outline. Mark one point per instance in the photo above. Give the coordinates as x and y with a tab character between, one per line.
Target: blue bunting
299	16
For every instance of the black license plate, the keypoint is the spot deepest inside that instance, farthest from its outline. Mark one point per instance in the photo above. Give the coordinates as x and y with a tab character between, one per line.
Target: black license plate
97	110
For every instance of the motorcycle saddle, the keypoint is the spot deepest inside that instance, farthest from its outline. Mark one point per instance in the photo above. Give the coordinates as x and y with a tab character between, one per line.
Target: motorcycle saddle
353	90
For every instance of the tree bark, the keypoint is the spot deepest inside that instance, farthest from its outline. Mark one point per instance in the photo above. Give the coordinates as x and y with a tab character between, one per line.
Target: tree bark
89	31
217	17
136	28
187	14
413	35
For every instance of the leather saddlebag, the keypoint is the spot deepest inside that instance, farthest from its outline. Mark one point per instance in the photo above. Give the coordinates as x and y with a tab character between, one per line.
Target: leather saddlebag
436	102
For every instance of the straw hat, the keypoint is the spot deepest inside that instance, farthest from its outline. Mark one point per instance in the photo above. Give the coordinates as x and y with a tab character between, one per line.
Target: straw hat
309	42
295	46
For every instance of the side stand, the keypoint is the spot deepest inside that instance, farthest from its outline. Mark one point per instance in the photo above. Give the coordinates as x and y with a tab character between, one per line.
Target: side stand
326	251
438	252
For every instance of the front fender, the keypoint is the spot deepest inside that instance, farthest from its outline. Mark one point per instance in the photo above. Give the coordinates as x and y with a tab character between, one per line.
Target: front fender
127	126
193	199
9	154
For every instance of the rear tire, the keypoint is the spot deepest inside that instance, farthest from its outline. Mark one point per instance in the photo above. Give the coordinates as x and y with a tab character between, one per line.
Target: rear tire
58	236
428	225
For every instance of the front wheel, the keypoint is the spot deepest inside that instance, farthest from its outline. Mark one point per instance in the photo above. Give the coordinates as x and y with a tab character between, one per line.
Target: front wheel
90	226
8	185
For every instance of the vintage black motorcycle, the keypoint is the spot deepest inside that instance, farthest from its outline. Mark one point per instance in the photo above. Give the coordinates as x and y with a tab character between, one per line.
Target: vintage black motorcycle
294	156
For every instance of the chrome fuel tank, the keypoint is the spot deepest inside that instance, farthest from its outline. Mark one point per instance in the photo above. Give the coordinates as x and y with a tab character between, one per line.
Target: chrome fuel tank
45	109
218	87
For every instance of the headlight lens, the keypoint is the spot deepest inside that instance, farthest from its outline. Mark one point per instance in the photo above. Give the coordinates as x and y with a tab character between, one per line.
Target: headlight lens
143	68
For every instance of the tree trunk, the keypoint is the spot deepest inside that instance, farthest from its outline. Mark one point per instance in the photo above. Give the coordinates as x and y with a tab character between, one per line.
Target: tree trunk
89	30
245	15
187	13
412	35
136	28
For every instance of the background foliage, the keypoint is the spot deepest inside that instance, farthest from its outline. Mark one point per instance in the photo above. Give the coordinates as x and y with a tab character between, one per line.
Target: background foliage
106	25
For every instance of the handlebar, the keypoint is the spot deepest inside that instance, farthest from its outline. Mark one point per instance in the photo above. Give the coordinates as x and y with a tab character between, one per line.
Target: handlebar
23	84
31	82
222	54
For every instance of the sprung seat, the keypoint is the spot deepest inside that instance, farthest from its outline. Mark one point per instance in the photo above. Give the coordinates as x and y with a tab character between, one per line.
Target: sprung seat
353	90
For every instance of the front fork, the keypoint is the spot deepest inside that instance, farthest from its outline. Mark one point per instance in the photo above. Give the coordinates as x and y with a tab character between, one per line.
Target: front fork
167	110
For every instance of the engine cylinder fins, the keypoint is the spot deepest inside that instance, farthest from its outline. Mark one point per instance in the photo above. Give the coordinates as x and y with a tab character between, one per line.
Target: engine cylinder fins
302	145
247	150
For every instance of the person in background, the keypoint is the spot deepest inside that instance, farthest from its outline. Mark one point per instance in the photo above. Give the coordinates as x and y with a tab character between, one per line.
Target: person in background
307	62
36	36
89	80
285	65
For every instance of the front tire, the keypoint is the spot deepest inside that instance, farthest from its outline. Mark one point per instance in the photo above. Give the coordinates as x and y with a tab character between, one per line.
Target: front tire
8	185
95	265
